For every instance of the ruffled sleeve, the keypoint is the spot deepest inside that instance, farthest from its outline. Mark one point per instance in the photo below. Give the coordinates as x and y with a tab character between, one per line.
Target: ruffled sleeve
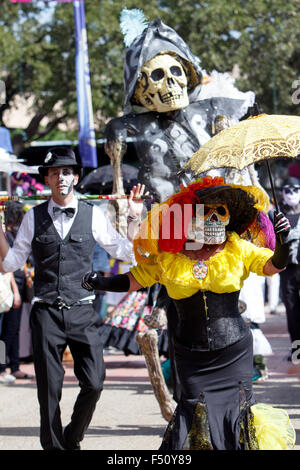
146	274
255	257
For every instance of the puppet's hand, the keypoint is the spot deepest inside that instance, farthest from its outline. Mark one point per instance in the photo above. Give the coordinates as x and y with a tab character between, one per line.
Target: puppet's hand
115	149
135	202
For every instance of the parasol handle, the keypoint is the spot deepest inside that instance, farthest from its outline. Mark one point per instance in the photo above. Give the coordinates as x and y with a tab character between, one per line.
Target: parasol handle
255	112
274	195
272	186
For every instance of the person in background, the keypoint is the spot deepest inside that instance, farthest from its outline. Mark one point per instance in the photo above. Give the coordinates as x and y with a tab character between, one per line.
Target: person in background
290	277
9	284
254	314
13	217
272	295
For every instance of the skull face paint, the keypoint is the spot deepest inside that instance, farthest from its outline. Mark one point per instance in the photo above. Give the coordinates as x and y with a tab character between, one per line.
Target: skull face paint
163	85
216	217
61	180
208	224
291	195
66	181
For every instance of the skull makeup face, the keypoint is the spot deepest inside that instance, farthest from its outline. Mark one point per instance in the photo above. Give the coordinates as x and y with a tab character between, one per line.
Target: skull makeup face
216	217
61	180
208	224
291	195
162	86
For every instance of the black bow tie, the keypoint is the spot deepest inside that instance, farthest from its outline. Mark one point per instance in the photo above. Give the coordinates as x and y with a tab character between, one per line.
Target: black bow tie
69	211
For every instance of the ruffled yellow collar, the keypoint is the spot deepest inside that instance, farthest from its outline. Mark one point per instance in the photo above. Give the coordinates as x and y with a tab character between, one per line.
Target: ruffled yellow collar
179	269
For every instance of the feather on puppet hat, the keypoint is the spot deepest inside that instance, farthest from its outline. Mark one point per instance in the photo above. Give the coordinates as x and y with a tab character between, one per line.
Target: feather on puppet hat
247	207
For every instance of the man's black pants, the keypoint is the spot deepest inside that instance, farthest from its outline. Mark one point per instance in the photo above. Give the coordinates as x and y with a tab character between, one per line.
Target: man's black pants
289	287
52	331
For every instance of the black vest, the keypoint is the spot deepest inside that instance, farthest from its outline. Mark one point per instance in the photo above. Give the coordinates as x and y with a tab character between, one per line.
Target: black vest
60	264
209	321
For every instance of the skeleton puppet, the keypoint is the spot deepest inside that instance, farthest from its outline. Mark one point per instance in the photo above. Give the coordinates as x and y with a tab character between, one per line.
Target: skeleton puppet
164	113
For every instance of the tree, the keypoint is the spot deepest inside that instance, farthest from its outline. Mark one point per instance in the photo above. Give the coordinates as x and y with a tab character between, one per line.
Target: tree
23	48
38	58
262	37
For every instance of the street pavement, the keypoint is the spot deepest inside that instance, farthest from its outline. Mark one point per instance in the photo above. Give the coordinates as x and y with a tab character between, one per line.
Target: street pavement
127	416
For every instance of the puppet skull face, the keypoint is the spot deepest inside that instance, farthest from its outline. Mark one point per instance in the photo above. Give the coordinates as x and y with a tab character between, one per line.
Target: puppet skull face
162	86
216	217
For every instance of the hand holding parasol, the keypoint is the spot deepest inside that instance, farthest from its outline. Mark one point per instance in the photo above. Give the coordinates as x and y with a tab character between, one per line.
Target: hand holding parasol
257	138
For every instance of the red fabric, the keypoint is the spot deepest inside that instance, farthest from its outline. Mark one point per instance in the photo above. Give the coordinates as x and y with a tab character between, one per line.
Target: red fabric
173	230
294	169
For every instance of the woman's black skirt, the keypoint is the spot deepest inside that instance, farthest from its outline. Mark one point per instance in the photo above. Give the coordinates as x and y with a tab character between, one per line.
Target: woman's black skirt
214	409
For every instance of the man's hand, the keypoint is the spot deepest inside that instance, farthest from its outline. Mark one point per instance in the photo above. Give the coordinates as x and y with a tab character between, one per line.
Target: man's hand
17	300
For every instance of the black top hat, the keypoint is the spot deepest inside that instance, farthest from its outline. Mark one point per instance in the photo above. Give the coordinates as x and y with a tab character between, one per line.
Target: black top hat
291	181
57	157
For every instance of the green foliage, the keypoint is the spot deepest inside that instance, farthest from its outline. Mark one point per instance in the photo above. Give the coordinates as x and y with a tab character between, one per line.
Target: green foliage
38	58
261	36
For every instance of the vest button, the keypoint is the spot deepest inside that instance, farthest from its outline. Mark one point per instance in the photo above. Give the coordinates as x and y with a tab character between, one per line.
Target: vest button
63	258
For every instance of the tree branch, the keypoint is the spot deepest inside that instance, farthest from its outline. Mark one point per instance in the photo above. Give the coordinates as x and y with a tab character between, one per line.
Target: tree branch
50	126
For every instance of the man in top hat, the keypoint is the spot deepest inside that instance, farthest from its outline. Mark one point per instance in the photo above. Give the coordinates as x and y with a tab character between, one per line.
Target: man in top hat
62	233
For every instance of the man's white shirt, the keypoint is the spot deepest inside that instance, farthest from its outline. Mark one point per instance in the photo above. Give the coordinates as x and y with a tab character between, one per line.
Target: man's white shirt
103	232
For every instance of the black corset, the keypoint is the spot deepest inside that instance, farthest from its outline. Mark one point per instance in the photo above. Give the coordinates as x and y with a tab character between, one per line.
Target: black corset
209	321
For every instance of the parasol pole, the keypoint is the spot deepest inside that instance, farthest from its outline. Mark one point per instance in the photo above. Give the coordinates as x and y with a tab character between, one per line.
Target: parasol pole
272	186
255	112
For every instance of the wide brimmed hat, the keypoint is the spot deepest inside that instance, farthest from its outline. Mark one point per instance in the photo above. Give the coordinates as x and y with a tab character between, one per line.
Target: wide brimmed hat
247	207
240	202
291	181
58	157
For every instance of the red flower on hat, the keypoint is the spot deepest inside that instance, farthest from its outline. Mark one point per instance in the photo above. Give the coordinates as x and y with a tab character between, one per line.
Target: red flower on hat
177	227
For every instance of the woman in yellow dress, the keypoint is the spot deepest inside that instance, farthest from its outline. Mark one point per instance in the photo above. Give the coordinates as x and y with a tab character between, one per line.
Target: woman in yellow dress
201	244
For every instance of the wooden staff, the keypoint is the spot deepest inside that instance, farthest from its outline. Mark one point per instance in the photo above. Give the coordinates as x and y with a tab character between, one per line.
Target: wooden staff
111	197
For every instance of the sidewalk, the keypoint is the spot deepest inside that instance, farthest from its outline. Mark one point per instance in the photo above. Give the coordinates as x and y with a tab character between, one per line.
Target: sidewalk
127	416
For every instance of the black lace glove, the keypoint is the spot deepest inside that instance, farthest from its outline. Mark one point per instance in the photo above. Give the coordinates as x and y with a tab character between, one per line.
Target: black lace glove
282	229
93	280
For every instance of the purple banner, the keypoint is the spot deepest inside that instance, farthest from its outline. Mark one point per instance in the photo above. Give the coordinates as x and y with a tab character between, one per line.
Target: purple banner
87	140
